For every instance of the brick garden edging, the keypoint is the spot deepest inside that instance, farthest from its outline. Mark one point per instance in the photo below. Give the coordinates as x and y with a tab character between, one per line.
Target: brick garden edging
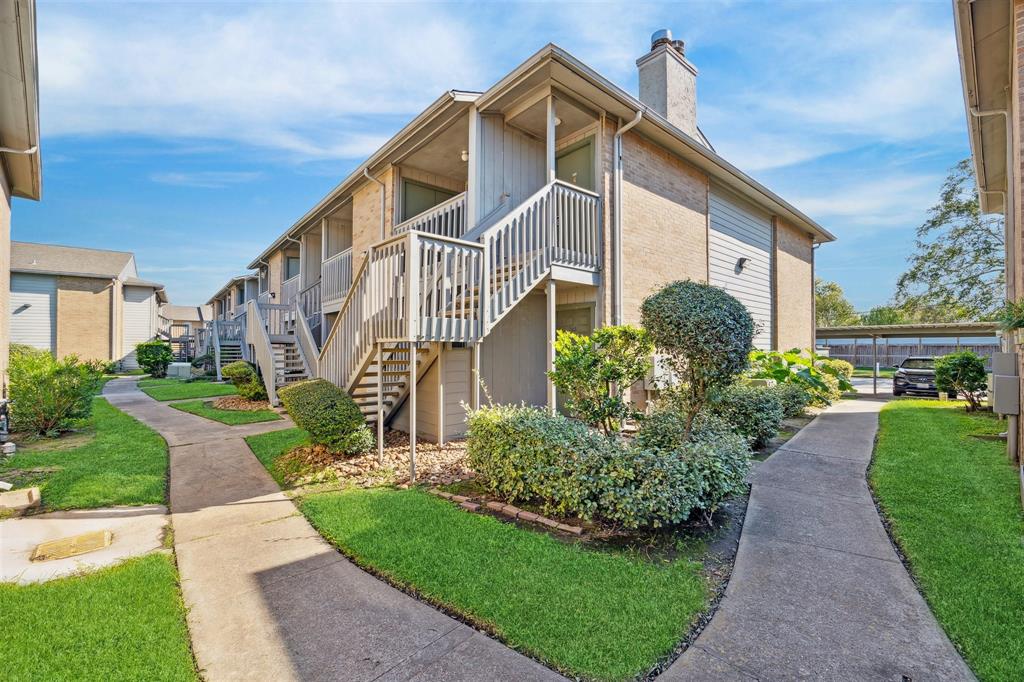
508	510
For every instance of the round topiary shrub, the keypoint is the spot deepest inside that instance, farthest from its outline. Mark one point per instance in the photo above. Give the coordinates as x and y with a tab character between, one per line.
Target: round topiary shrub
243	375
329	414
154	357
706	335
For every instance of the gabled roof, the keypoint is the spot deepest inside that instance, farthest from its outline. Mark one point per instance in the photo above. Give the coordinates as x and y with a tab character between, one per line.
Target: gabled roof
55	259
567	70
19	99
188	313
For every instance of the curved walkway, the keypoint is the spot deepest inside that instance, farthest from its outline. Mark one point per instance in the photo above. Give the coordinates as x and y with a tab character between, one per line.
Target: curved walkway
269	599
817	591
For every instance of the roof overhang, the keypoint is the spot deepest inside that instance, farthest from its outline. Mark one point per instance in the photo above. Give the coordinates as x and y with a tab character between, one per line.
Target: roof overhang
227	286
444	110
909	330
572	75
984	43
19	99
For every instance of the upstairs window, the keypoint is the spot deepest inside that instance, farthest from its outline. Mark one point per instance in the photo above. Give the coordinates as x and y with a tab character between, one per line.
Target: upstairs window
291	266
417	198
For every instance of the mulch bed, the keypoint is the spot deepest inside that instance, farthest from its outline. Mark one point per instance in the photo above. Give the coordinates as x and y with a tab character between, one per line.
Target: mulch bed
234	402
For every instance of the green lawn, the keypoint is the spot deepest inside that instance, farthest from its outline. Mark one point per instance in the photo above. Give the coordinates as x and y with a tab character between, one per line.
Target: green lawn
124	463
954	505
126	622
205	408
268	448
178	389
883	372
596	614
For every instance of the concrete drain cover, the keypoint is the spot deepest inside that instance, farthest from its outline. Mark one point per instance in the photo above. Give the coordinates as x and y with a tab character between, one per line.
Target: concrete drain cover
72	546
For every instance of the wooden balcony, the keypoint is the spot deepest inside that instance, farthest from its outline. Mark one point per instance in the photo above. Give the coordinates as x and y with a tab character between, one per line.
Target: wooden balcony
447	219
336	278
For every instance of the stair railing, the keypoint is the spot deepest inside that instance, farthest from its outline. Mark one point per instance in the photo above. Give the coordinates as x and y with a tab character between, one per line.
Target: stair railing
216	348
263	353
306	344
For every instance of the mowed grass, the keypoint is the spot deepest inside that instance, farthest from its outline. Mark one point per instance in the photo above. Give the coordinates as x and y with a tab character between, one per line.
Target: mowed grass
126	622
954	505
178	389
205	408
269	448
598	615
124	463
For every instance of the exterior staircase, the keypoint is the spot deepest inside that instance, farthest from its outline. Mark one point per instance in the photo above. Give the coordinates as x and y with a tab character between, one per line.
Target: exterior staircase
390	370
289	366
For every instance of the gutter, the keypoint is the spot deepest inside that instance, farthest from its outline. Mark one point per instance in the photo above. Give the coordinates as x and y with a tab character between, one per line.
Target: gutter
617	224
1008	203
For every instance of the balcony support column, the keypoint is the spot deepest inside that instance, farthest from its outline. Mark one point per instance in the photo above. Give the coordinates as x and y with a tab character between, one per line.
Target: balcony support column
551	310
549	138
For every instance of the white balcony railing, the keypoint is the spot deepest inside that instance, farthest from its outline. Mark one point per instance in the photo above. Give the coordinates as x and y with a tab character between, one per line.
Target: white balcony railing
336	276
289	290
447	219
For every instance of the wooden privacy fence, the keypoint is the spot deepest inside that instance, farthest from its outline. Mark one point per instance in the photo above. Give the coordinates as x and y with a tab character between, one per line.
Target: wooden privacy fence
893	352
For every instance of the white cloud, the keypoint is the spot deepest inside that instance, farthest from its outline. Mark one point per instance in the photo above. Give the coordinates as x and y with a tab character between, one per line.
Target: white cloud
206	179
870	206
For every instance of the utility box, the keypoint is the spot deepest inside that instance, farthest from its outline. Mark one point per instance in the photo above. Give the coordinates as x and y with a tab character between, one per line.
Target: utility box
1005	394
1004	364
180	370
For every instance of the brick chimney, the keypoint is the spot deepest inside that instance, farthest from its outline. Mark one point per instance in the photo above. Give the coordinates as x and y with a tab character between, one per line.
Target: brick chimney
668	82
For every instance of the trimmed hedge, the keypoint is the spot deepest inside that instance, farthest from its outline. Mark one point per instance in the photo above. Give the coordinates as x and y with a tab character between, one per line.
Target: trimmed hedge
243	375
522	453
154	357
794	398
755	412
329	414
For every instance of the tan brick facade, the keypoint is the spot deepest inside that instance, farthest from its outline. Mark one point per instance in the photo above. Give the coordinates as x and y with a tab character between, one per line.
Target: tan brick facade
366	215
84	317
793	287
665	224
5	275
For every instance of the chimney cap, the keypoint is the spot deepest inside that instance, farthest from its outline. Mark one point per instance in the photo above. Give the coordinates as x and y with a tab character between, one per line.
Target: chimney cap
661	36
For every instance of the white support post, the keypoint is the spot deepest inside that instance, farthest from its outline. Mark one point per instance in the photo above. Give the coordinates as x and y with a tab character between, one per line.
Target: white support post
550	139
552	403
473	170
440	396
477	378
380	403
874	364
413	357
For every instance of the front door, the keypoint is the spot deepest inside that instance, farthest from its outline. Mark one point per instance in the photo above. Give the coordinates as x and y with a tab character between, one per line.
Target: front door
575	165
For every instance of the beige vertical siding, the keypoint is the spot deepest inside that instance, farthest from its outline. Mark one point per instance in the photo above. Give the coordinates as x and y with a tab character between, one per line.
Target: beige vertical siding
511	163
513	356
457	377
33	304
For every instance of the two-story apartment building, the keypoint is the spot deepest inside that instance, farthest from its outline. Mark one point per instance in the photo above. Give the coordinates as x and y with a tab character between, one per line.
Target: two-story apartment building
20	160
554	199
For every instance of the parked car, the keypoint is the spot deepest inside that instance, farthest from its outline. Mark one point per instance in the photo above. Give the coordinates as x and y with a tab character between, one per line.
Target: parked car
915	375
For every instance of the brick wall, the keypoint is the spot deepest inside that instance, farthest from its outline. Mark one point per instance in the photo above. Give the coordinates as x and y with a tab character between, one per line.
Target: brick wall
5	274
84	317
794	297
664	207
366	215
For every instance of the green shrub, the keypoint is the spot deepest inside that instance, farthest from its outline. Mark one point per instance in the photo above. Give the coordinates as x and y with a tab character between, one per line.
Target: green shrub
154	357
754	411
587	368
962	374
329	414
705	334
243	375
841	368
522	454
823	378
794	398
110	367
49	395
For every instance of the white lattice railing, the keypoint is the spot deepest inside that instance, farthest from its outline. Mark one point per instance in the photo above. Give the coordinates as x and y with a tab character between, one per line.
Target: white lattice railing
447	219
336	274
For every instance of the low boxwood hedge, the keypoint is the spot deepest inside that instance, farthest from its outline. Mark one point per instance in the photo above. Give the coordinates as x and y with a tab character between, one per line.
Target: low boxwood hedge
329	414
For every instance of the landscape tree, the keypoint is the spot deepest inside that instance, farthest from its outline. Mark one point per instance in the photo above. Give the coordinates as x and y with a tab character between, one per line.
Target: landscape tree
831	309
886	314
957	269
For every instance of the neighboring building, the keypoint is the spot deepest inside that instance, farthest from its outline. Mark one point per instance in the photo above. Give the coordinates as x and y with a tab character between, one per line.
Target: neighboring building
229	301
20	160
191	316
552	200
183	327
86	302
990	40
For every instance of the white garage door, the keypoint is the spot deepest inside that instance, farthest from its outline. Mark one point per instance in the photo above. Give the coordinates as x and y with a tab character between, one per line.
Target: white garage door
139	321
739	230
34	310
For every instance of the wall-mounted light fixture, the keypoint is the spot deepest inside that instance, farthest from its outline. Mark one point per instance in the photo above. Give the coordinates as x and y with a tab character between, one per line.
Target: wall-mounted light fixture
465	156
741	263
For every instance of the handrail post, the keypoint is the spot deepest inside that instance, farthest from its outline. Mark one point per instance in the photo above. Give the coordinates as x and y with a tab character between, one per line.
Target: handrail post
412	281
484	291
216	349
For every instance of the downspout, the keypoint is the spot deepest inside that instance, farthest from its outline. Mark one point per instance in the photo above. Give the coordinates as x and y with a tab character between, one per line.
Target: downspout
12	150
383	199
1009	221
617	223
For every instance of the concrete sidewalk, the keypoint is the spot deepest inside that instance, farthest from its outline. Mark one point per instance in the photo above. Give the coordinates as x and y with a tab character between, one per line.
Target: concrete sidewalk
269	599
817	591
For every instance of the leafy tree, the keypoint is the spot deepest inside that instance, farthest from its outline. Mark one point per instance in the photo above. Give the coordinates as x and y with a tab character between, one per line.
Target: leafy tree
154	357
831	309
962	374
589	368
886	314
706	336
958	268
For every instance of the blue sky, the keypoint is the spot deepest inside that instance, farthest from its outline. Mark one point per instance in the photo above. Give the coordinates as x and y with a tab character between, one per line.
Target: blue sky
193	134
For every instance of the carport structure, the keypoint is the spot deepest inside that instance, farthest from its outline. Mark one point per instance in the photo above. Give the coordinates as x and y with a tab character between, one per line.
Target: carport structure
963	335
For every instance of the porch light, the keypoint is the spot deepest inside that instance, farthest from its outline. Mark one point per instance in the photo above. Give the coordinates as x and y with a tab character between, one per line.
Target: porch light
465	156
558	121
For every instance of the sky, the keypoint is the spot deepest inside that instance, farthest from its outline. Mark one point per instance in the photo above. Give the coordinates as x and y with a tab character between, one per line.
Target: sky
195	133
